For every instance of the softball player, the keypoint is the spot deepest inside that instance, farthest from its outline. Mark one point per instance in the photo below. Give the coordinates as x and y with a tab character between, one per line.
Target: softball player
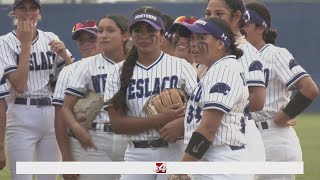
180	39
215	108
283	74
147	71
85	35
100	143
31	60
233	12
181	42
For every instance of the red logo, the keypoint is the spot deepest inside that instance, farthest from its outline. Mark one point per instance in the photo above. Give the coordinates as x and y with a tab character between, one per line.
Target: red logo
161	168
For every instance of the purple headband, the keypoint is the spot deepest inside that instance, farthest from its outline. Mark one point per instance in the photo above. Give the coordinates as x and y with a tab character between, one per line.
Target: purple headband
253	16
205	26
16	2
152	19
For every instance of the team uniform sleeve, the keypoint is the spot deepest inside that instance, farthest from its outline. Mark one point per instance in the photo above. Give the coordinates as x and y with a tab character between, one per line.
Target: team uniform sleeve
221	89
253	67
287	68
112	84
61	85
79	80
7	57
189	78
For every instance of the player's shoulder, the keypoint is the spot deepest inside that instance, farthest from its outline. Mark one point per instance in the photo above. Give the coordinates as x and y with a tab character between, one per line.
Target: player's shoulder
227	64
8	37
250	53
71	67
88	60
277	53
282	51
247	46
267	52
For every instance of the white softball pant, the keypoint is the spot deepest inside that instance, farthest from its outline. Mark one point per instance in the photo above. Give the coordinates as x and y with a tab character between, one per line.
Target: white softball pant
281	144
224	153
110	147
31	137
254	142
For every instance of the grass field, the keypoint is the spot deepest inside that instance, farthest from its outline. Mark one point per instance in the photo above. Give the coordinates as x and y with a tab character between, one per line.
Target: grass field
308	129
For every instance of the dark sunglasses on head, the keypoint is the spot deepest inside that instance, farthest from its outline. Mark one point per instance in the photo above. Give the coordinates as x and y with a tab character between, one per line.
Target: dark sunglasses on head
86	24
185	19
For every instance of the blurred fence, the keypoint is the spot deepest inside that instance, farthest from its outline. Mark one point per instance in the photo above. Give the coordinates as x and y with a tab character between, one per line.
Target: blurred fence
295	22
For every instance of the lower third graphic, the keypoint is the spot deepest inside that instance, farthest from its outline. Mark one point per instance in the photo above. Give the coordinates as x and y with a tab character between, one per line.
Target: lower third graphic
161	168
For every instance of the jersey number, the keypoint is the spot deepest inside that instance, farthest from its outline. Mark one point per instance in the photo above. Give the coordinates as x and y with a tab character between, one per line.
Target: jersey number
194	114
267	76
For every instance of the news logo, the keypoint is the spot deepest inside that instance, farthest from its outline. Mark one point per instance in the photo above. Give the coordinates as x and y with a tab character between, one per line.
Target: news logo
161	168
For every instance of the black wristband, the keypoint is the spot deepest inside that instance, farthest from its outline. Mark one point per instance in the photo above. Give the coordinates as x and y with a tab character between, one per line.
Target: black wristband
296	105
198	145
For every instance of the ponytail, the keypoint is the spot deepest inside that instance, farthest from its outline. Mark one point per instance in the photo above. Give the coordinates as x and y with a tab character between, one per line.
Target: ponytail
270	36
119	100
235	51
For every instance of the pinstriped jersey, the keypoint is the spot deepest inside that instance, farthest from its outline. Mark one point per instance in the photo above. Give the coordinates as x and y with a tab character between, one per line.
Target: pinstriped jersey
44	64
166	72
251	63
63	82
222	88
281	72
91	74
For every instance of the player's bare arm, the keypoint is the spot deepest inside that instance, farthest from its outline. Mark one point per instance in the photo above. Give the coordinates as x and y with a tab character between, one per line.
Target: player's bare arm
308	87
25	33
308	90
62	135
208	126
58	47
173	130
123	124
63	141
79	131
2	133
257	96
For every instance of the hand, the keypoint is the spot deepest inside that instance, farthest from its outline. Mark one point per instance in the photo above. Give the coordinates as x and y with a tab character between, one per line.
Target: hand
171	131
25	31
83	137
58	47
2	159
172	112
283	120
